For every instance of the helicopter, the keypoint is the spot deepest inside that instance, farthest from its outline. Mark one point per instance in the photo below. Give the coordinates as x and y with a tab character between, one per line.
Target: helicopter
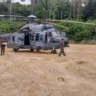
36	37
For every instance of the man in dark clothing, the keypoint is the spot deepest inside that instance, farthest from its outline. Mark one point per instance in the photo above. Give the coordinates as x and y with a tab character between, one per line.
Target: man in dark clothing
2	48
62	48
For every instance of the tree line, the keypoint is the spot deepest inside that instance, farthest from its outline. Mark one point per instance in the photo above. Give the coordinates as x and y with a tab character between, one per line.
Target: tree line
52	9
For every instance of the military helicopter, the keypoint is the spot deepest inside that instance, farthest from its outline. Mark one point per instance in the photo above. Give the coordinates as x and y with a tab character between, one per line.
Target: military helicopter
36	36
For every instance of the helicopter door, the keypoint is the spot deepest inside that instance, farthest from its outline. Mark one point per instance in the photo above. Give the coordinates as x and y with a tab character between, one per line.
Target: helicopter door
26	39
32	40
46	38
48	42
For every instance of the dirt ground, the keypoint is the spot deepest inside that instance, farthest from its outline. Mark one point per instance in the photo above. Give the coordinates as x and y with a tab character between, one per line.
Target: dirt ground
43	74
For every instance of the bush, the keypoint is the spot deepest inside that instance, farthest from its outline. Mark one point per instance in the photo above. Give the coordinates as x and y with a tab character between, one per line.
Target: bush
78	32
9	26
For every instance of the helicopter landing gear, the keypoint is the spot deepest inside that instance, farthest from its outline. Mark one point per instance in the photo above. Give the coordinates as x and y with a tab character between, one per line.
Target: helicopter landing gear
31	50
53	51
38	49
15	50
66	44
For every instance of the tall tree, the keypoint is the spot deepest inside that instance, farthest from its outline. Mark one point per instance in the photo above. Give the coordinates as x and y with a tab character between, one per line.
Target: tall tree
32	2
90	10
62	9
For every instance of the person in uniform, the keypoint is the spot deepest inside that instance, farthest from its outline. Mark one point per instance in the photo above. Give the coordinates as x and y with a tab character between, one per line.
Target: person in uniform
2	48
62	48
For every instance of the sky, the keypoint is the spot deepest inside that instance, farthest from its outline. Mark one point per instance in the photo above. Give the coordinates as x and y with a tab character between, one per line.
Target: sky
25	2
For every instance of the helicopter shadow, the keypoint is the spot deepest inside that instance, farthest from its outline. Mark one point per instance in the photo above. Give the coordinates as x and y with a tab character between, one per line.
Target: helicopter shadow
34	52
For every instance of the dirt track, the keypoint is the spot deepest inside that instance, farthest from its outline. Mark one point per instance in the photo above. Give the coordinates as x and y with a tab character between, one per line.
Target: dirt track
43	74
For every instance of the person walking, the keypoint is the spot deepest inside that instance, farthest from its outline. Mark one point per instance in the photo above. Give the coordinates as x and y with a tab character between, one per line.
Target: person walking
62	48
2	48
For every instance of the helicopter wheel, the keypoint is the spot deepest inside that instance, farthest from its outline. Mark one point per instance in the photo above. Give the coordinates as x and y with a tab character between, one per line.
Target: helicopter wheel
31	50
15	50
66	44
38	49
53	52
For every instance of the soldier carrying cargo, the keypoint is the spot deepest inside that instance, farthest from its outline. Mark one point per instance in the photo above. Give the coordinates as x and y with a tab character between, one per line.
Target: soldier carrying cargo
2	45
62	48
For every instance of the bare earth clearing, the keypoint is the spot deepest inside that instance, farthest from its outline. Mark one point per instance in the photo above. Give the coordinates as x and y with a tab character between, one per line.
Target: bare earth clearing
43	74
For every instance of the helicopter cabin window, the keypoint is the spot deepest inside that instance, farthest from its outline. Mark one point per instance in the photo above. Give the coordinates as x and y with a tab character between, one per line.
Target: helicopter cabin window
37	37
32	37
21	39
41	37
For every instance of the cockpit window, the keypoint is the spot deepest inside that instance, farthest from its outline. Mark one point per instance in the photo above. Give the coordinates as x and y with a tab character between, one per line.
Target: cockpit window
55	34
63	34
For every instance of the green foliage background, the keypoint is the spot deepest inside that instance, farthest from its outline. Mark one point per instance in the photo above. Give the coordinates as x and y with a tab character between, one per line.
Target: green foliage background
78	32
9	26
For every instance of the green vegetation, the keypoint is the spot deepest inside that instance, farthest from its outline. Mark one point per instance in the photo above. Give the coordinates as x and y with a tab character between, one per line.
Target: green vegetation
9	26
78	32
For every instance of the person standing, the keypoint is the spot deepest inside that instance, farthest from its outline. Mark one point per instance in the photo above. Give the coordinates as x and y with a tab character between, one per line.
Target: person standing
62	48
2	48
